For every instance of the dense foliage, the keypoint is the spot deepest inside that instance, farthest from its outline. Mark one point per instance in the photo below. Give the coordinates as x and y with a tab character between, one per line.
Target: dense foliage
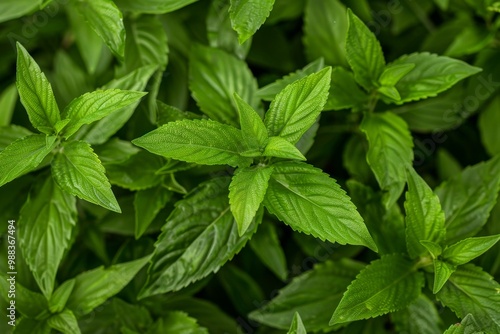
249	166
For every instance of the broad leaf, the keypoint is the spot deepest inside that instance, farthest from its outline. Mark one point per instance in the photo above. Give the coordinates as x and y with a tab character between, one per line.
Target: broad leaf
64	322
153	6
424	216
198	238
200	141
297	327
390	150
94	287
345	93
442	272
468	249
36	93
310	294
214	77
384	286
468	198
107	21
281	148
246	193
471	290
432	75
253	130
364	53
147	204
266	245
420	317
12	9
24	155
78	171
93	106
139	172
248	15
295	109
487	120
311	202
47	220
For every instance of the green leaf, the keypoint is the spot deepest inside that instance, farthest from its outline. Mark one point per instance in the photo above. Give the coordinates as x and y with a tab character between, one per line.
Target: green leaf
46	220
420	317
115	151
12	9
28	303
214	77
266	246
471	290
364	53
59	298
8	100
8	134
468	249
467	326
36	93
384	286
147	204
133	317
248	15
78	171
153	6
433	248
432	75
167	113
246	193
468	198
24	155
325	30
390	149
389	92
107	21
199	236
268	93
488	117
253	130
91	107
345	92
65	322
310	294
424	216
393	73
177	323
311	202
442	272
136	173
27	325
94	287
295	109
200	141
297	327
281	148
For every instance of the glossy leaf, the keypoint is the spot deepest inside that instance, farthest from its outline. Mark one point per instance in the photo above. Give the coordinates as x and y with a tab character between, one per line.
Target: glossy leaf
345	93
11	9
281	148
253	130
468	249
139	172
442	272
297	327
60	296
177	323
248	15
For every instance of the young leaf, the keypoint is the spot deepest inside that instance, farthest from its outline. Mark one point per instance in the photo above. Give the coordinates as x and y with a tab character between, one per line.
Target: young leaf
91	107
214	77
281	148
432	75
47	220
344	91
310	294
471	290
311	202
147	204
153	6
433	248
420	317
424	216
199	237
253	130
78	171
468	249
468	198
385	285
200	141
442	272
393	73
248	15
364	53
36	93
64	322
295	109
390	149
24	155
94	287
107	21
59	298
297	327
246	193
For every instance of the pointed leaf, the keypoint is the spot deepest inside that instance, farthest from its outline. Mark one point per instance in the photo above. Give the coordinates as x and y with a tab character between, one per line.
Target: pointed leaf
442	272
248	15
297	327
78	171
94	287
468	249
424	216
390	149
147	204
295	109
64	322
345	93
393	73
311	202
246	193
200	141
36	93
467	326
384	286
364	53
253	130
281	148
199	237
24	155
433	248
57	302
